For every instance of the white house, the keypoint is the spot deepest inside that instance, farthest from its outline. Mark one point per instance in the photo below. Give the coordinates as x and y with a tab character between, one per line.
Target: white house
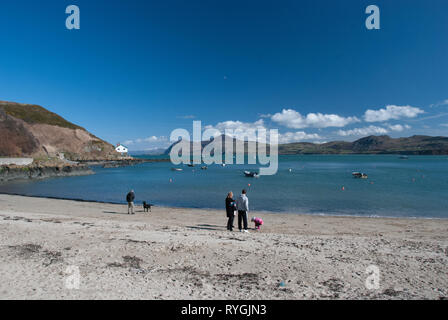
121	149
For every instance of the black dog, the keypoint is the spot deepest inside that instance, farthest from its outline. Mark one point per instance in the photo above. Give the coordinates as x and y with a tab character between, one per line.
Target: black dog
146	206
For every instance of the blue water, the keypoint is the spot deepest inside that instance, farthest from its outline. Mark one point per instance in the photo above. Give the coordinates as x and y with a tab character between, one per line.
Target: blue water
417	187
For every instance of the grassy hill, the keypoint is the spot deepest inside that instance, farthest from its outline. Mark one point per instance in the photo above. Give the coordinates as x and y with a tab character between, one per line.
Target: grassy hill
34	114
29	130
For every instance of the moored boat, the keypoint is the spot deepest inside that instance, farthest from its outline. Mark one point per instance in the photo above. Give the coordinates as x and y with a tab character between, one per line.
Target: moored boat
359	175
251	174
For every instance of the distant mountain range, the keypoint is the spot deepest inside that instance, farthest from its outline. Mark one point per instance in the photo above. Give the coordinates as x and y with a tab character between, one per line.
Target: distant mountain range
205	143
32	131
415	145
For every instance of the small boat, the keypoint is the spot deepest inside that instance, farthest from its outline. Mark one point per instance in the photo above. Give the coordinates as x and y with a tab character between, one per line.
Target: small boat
176	169
204	168
359	175
251	174
403	157
223	165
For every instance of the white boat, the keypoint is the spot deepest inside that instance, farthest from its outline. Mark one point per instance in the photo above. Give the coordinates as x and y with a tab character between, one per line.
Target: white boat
251	174
359	175
176	169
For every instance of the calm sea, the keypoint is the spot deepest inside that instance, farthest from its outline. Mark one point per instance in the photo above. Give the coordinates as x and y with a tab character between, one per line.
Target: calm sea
316	184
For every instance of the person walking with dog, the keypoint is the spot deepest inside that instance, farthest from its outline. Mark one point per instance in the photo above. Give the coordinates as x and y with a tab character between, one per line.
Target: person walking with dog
130	197
230	210
242	204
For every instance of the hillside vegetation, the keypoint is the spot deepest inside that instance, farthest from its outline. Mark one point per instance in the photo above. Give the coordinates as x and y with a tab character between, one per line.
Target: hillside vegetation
34	114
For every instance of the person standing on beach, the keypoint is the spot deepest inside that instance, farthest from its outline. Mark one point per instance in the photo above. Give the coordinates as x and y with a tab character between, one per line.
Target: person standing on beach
130	199
230	210
242	204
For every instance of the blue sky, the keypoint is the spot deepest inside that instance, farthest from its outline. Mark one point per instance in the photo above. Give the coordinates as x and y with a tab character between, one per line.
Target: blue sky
138	69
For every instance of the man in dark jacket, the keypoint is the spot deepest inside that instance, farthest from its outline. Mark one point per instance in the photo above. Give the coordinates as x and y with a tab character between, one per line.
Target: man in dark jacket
230	210
130	199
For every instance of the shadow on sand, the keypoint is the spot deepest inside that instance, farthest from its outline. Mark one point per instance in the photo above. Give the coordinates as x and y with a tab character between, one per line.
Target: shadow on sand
207	227
124	212
114	212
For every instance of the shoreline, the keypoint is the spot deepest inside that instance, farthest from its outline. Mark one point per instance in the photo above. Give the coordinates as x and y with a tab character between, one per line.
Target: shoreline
139	203
121	162
40	171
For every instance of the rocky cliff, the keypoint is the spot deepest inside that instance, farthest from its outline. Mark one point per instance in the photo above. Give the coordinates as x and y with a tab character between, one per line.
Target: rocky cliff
32	131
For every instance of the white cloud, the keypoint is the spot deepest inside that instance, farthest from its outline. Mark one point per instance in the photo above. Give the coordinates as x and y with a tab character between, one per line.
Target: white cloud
238	127
155	139
128	142
366	131
399	127
143	141
188	116
150	139
298	136
392	112
439	104
293	119
242	130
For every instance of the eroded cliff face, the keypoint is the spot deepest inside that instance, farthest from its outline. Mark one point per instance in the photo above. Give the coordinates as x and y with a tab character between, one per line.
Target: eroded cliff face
15	139
32	131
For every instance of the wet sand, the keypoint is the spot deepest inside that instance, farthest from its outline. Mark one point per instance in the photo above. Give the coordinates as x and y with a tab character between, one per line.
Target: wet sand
174	253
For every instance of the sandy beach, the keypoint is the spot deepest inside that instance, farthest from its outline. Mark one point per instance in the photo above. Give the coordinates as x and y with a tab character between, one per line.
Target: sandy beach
174	253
